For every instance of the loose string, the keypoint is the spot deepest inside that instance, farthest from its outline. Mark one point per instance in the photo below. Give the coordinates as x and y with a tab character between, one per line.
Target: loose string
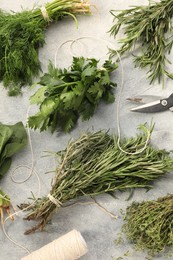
30	143
120	95
94	202
31	168
58	49
118	113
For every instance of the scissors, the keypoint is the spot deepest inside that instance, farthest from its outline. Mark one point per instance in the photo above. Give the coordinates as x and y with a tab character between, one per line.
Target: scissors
152	104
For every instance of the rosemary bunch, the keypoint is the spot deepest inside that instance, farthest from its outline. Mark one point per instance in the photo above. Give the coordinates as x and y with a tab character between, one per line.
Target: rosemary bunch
149	29
21	34
149	224
93	164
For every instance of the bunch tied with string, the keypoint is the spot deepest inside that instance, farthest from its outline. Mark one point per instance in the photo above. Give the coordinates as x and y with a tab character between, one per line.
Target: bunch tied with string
21	35
93	164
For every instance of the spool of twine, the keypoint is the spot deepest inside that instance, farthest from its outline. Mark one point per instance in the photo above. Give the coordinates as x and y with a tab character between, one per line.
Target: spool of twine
70	246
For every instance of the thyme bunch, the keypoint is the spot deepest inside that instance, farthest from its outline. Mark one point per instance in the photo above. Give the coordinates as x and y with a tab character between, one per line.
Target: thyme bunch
149	224
93	164
149	30
21	35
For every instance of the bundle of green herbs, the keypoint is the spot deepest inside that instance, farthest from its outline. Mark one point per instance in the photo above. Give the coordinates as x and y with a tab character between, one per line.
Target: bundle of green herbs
67	94
12	139
94	164
21	35
149	30
149	225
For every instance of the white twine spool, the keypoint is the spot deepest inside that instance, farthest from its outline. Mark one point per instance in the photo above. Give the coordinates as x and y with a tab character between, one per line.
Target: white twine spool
70	246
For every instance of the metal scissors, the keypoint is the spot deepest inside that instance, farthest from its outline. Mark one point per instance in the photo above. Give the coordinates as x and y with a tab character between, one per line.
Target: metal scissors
152	104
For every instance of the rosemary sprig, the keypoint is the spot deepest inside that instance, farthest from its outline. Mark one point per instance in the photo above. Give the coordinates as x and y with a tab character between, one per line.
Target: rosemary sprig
149	224
149	30
21	35
93	164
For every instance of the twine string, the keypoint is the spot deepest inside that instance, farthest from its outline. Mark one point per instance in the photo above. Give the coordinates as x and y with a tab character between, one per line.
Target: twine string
70	246
54	200
44	13
77	40
32	171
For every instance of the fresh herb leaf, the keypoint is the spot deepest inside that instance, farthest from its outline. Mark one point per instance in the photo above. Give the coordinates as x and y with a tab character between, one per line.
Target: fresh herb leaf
12	139
67	94
39	96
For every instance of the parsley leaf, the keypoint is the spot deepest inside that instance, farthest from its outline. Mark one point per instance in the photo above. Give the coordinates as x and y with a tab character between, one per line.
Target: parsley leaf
67	94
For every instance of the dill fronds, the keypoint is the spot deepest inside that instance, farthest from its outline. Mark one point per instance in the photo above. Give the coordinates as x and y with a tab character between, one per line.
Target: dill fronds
21	35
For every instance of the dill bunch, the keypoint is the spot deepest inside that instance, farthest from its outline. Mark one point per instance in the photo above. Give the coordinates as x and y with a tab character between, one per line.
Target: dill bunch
149	224
93	164
149	30
21	35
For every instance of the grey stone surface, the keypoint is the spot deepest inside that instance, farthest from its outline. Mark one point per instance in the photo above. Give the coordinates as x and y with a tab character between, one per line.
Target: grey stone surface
96	226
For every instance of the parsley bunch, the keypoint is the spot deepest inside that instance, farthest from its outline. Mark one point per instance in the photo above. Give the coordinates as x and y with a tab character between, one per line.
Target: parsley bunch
21	35
67	94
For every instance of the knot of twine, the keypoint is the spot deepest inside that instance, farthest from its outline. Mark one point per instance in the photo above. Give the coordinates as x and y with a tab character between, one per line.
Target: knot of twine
54	201
44	13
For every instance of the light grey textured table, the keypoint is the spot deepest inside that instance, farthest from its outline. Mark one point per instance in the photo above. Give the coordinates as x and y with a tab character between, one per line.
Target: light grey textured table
97	227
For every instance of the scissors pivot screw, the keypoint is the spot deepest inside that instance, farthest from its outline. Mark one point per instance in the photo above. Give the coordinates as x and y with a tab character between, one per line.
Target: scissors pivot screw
164	102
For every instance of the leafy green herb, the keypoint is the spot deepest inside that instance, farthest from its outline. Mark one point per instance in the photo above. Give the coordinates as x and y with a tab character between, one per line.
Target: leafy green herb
12	139
93	164
67	94
21	34
149	30
149	224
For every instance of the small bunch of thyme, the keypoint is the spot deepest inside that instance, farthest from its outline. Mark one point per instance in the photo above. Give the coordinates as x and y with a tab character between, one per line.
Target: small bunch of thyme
93	164
149	224
149	30
21	35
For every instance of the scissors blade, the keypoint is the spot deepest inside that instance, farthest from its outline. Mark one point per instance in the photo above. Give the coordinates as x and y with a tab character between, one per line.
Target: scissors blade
156	106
